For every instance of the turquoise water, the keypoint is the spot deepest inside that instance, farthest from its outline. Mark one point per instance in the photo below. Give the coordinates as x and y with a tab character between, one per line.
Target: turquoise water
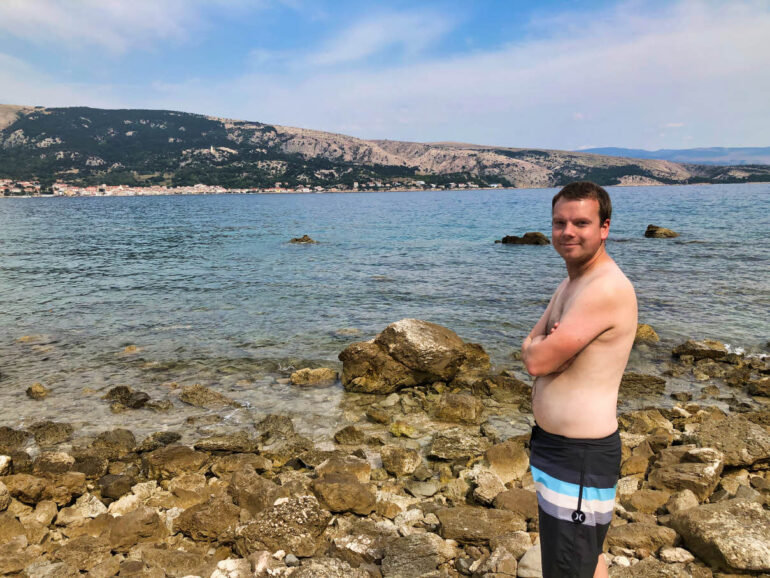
209	289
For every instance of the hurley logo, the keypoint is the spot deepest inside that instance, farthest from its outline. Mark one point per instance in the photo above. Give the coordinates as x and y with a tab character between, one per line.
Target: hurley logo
578	517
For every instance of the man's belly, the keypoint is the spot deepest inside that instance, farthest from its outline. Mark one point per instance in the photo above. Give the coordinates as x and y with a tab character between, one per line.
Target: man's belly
573	408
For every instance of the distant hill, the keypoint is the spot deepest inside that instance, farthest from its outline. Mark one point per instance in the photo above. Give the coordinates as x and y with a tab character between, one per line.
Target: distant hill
88	146
704	156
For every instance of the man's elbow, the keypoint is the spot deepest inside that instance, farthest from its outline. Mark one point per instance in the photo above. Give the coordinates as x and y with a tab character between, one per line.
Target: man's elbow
534	368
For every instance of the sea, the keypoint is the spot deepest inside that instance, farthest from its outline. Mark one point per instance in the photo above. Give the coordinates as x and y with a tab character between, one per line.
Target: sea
166	291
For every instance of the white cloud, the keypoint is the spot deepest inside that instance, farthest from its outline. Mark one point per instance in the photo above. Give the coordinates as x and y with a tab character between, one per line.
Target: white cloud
674	125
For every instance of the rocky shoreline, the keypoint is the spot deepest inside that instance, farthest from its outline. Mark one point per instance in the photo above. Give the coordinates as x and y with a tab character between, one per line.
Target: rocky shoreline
419	483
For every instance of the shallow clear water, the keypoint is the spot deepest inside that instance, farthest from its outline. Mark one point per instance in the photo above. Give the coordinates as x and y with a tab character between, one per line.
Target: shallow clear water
210	290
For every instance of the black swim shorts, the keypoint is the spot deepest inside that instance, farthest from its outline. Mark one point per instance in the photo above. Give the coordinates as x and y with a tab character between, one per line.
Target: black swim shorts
575	480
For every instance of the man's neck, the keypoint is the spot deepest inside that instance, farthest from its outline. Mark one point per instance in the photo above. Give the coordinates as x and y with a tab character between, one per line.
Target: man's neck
577	270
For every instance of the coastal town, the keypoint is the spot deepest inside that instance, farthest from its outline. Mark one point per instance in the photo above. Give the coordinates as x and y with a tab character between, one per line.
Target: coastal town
12	188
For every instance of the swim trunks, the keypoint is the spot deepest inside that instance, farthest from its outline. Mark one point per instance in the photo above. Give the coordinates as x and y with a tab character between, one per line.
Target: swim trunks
575	480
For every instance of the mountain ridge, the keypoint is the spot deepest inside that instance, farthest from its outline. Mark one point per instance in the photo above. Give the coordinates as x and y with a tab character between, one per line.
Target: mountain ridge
86	145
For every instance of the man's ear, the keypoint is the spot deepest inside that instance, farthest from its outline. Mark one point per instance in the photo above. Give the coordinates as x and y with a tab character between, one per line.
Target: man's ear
605	228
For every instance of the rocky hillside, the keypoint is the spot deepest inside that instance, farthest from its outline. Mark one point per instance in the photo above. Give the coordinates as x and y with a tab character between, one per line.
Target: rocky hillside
92	146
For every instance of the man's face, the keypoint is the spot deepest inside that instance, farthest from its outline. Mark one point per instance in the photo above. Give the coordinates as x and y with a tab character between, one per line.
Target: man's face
576	231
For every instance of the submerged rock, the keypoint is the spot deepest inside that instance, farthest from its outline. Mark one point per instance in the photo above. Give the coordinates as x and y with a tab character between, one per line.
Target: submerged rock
532	238
705	349
200	396
655	232
318	376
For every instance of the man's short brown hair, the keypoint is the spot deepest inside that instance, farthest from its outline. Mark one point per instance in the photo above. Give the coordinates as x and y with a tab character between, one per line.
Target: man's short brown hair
586	190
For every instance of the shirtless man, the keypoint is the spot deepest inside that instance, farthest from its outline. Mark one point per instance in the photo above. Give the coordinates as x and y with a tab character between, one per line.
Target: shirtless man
577	351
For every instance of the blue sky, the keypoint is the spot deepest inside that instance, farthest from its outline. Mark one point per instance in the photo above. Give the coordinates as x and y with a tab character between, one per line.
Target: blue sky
560	74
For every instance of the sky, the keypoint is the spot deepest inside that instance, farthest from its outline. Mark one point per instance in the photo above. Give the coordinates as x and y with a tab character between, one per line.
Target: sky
559	74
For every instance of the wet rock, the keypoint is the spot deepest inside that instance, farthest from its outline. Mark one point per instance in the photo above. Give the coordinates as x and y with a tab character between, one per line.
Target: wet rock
344	493
742	442
351	465
400	461
12	440
350	435
37	391
113	445
759	387
469	525
519	500
645	334
415	555
251	491
50	433
275	427
457	443
127	397
158	440
141	525
706	349
319	376
687	467
531	238
172	461
200	396
293	524
509	460
732	535
407	353
460	408
303	239
655	232
208	522
634	385
640	535
83	552
238	442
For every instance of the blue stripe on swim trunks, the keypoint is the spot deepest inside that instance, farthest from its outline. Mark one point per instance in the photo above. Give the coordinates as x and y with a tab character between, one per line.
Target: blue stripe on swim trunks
559	499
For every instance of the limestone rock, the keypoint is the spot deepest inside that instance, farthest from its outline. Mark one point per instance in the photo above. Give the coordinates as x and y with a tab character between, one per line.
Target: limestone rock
675	555
304	239
50	433
687	467
733	535
651	567
344	493
328	568
488	486
517	543
682	500
457	443
319	376
350	435
706	349
293	524
367	368
225	466
345	465
53	463
201	396
5	497
400	461
634	385
171	461
531	238
460	408
251	491
646	501
469	525
237	442
509	460
114	444
645	334
27	489
415	555
141	525
636	535
158	439
655	232
531	564
12	440
208	522
742	442
519	500
84	552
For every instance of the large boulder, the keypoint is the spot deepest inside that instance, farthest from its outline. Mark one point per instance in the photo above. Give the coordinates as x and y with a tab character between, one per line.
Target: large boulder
344	493
531	238
407	353
742	442
732	535
687	467
171	461
460	408
641	535
655	232
415	555
208	522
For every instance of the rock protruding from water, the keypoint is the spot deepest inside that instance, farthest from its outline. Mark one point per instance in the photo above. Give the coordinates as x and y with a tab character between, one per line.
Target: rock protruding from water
531	238
407	353
304	239
645	334
655	232
37	391
706	349
201	396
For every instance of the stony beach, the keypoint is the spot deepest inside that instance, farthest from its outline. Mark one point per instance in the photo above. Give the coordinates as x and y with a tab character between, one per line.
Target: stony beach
420	482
